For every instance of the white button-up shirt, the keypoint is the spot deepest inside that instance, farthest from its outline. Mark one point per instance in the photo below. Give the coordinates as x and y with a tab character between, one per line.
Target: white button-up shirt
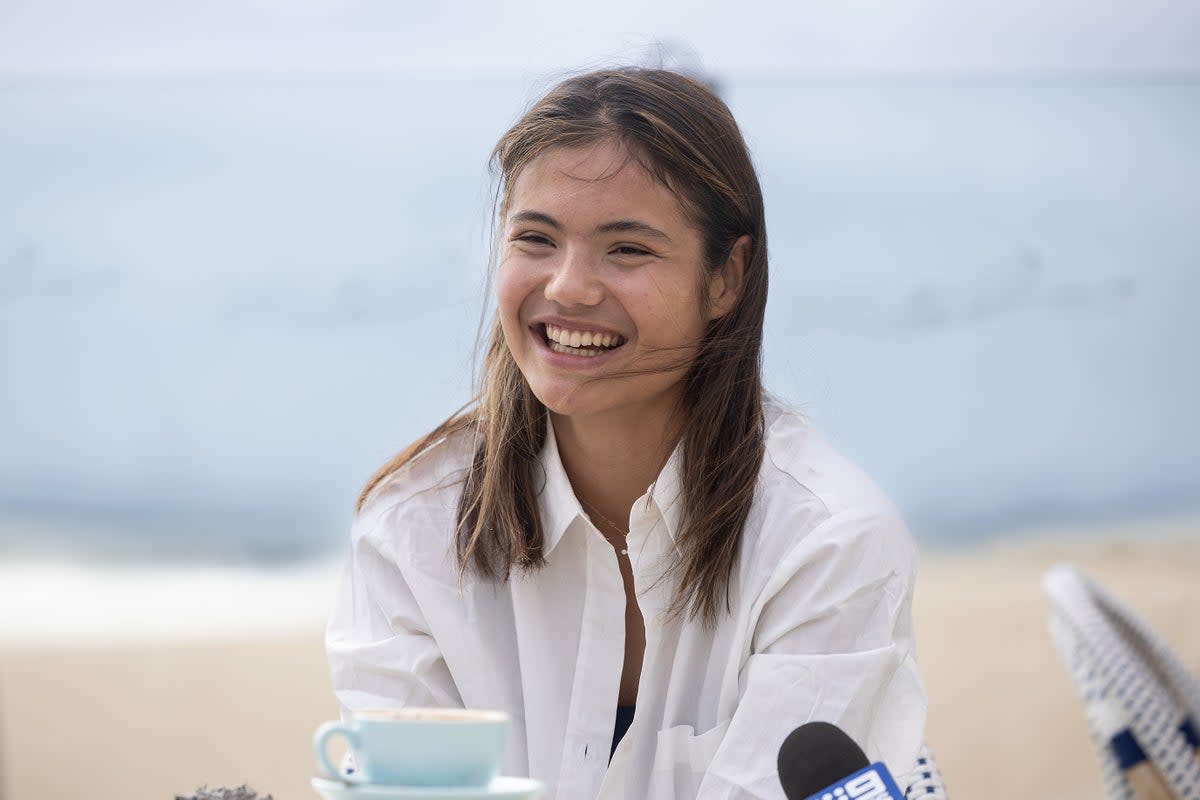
819	627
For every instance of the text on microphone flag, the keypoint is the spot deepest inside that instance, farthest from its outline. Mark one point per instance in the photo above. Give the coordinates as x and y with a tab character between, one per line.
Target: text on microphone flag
869	783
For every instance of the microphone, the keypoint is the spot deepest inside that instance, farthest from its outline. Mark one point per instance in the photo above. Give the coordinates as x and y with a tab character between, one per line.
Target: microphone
818	761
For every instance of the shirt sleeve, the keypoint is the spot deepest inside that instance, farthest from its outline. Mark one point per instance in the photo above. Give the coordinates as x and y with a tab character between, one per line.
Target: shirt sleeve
832	641
381	652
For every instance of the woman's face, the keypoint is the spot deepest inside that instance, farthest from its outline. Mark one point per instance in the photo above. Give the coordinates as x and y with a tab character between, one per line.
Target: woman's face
601	274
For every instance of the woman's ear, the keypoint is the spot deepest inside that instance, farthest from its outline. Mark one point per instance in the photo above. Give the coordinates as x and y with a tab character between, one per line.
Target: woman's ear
725	286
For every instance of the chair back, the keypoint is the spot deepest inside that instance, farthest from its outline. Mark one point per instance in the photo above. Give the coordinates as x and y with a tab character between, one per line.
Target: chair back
924	782
1134	688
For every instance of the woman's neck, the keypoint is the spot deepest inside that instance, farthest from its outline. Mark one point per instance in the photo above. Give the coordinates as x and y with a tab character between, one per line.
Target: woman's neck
611	463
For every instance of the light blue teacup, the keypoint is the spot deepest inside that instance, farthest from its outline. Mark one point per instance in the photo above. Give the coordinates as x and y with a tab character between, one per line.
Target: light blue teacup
418	746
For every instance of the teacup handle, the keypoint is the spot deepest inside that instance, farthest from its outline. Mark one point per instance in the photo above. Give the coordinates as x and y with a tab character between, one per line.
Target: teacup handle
321	738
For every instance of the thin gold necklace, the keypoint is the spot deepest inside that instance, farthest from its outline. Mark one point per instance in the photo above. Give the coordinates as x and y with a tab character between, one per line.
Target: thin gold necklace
619	529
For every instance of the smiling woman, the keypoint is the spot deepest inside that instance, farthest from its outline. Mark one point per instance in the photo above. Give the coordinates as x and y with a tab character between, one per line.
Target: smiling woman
618	262
655	569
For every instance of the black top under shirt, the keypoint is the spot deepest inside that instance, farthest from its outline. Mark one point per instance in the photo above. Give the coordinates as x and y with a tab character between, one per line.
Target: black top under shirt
624	720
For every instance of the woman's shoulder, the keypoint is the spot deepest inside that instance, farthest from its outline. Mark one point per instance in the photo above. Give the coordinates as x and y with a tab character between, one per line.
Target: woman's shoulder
426	485
814	504
800	463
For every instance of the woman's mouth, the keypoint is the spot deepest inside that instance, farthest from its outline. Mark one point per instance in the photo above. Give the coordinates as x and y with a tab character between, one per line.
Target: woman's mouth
579	342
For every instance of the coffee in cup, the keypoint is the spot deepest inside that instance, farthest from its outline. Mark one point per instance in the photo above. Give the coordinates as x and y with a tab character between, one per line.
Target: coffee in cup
418	746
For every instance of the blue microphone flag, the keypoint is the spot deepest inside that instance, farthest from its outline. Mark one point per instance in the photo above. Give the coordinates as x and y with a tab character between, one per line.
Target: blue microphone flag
869	783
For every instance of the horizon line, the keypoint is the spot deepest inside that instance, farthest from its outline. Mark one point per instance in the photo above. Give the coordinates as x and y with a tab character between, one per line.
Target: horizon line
818	77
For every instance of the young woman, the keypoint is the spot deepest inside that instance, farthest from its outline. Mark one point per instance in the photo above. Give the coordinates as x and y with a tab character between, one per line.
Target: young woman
655	569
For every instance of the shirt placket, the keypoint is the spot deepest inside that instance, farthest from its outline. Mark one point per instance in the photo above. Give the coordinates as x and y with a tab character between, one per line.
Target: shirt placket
597	674
649	545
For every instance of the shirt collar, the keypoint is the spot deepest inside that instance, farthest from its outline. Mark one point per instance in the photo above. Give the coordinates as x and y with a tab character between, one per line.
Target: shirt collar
557	501
559	506
666	493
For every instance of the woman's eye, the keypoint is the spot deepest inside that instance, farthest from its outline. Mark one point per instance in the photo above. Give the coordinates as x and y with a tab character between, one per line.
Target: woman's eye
630	250
532	238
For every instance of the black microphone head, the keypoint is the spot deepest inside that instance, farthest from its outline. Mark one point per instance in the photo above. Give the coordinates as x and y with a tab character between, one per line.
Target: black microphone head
816	755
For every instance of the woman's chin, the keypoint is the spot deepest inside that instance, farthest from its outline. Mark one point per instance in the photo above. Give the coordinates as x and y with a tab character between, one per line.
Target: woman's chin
567	402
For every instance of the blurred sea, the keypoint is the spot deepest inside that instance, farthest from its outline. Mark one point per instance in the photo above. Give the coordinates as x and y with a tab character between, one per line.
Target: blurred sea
224	303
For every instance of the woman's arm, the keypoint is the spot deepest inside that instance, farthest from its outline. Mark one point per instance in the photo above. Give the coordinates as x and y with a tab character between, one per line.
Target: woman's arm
832	641
381	653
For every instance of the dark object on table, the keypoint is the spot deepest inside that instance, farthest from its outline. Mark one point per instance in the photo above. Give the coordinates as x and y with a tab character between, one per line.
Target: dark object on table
242	792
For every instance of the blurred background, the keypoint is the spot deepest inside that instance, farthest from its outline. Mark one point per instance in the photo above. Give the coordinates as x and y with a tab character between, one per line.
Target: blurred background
242	262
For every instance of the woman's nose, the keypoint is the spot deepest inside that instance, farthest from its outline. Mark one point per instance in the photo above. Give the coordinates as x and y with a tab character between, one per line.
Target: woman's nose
575	282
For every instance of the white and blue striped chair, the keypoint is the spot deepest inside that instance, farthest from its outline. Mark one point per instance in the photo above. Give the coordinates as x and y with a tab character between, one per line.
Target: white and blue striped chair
1141	701
925	781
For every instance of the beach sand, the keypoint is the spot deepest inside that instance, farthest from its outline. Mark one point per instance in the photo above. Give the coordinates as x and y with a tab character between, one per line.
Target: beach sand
1004	718
87	713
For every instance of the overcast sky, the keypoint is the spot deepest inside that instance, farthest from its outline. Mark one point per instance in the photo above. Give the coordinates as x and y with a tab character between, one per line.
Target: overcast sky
733	37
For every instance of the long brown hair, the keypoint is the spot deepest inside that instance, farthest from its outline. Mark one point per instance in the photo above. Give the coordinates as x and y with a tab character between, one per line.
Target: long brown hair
685	136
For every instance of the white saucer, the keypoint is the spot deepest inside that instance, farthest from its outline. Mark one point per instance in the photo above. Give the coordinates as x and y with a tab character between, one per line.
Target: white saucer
501	788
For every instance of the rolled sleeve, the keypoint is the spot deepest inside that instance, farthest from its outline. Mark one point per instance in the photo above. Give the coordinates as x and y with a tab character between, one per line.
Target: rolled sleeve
833	642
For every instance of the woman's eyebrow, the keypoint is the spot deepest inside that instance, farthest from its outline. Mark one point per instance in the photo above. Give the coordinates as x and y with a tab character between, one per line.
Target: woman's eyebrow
632	226
616	226
535	216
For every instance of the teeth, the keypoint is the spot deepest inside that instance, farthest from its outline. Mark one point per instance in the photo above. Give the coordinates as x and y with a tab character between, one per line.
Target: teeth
575	340
574	351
